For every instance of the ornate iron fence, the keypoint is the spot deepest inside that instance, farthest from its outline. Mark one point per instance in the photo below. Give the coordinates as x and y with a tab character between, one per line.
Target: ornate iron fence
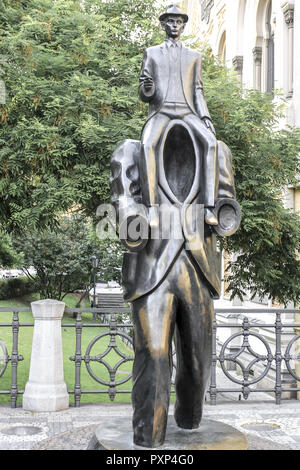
15	357
266	360
117	338
111	330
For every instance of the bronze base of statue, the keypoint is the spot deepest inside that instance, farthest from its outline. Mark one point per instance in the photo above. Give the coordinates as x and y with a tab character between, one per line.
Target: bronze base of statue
117	434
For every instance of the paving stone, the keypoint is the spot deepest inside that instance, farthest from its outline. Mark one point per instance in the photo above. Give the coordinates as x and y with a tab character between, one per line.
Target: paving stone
228	416
77	439
258	443
61	425
80	439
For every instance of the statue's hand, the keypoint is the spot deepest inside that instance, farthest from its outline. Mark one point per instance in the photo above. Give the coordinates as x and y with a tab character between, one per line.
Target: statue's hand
209	217
148	83
153	218
209	125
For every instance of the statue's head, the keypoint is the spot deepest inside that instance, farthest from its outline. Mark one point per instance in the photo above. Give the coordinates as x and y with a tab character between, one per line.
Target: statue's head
173	21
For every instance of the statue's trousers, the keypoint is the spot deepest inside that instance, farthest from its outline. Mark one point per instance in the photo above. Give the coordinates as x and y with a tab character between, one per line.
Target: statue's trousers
182	302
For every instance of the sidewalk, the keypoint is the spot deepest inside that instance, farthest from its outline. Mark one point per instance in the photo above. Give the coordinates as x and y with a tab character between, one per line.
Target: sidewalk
267	425
262	422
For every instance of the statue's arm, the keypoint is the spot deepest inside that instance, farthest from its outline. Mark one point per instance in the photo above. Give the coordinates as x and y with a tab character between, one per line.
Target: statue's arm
226	187
227	209
200	103
147	86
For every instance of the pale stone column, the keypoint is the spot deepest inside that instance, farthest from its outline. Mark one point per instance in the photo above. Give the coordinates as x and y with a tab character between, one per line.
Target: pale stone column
237	63
46	389
257	55
288	11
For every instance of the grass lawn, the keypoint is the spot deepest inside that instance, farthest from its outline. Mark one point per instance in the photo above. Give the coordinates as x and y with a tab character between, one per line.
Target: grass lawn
69	342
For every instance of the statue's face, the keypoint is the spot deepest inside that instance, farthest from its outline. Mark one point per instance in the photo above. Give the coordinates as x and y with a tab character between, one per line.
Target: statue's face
173	26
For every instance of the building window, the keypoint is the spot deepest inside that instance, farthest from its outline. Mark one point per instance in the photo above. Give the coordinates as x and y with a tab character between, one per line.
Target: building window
263	52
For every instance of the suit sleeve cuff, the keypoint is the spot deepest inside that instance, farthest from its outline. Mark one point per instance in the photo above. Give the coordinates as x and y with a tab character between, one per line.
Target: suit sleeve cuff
149	93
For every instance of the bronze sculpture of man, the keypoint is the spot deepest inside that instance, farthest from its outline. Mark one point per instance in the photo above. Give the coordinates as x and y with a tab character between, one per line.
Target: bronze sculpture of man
171	82
171	281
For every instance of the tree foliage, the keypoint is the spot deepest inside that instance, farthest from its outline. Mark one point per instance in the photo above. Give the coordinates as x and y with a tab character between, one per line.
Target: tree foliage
266	162
62	257
71	73
8	255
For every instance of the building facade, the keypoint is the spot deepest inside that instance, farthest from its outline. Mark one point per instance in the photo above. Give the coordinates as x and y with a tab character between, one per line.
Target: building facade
260	40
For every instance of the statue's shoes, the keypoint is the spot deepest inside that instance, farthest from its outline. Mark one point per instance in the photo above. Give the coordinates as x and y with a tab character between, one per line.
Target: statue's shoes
210	218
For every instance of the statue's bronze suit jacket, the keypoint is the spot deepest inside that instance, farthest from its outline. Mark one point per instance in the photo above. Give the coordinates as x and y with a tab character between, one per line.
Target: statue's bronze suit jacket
156	65
144	270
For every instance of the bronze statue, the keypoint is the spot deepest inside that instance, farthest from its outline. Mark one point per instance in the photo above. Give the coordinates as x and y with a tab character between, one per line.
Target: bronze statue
171	82
179	165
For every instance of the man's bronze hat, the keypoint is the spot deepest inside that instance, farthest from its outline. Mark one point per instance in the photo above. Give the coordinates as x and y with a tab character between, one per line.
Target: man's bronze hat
173	10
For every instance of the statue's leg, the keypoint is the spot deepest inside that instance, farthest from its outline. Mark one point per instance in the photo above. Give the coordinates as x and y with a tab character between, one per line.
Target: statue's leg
151	136
226	178
210	145
194	323
154	319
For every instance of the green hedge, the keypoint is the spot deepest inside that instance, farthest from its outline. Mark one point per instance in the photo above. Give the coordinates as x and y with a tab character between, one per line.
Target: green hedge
15	287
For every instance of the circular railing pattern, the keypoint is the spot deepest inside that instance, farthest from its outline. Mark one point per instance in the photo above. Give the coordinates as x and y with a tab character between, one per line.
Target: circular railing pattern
266	359
243	356
288	357
100	359
3	358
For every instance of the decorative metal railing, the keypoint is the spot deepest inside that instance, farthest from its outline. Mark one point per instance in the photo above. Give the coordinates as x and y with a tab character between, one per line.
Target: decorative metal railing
267	360
111	330
117	340
15	357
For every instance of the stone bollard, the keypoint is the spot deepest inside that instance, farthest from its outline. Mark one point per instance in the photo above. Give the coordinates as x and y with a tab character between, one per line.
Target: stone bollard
46	389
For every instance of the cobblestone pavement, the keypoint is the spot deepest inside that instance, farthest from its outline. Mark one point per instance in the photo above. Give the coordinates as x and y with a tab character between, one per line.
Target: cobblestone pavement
266	425
278	424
